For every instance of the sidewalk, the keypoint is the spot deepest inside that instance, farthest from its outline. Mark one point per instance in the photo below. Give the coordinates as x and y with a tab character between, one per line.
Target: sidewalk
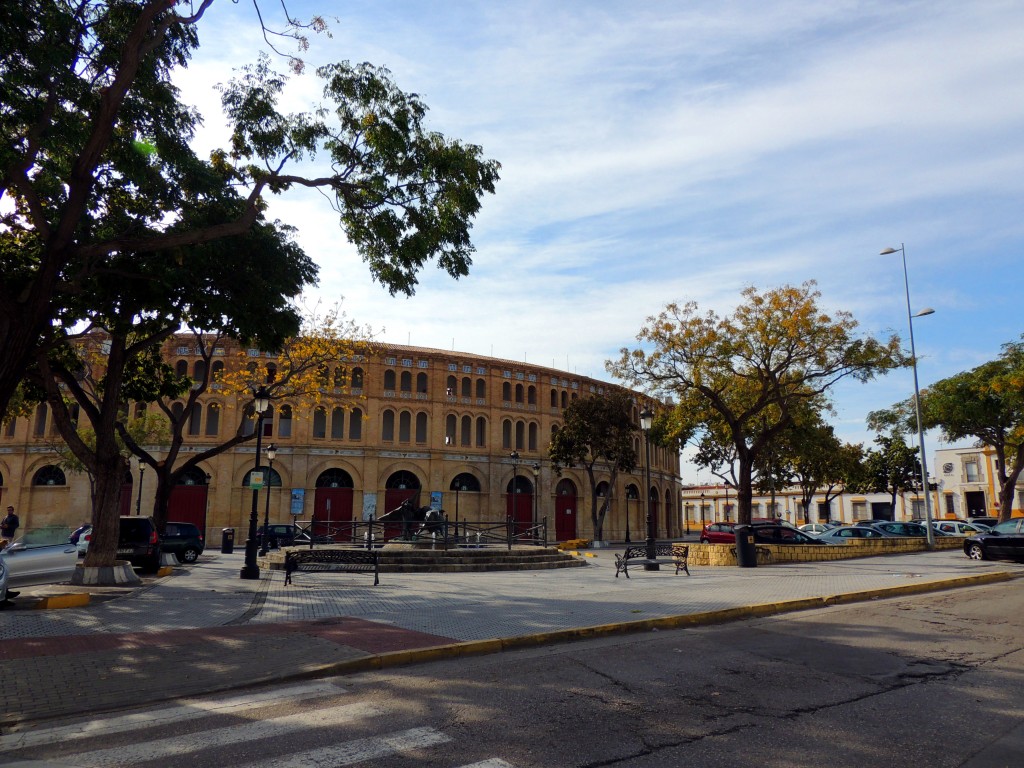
203	629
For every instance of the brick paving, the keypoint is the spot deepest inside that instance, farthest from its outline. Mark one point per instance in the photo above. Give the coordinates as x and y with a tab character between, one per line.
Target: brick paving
203	629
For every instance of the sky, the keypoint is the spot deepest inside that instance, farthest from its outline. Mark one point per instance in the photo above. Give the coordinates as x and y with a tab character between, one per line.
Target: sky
679	151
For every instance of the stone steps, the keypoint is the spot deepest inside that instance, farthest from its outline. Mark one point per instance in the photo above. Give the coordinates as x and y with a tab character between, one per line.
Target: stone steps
411	559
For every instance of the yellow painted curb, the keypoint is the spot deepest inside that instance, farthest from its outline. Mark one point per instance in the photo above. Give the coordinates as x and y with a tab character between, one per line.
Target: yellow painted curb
63	601
165	570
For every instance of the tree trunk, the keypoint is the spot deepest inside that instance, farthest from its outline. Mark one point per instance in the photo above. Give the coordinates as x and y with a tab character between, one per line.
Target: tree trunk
106	511
165	483
744	490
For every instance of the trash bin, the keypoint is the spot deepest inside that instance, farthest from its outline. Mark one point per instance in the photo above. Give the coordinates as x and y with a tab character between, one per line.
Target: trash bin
227	541
746	552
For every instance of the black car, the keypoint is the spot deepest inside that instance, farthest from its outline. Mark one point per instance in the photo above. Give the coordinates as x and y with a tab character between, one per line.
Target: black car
139	544
183	540
1004	542
901	529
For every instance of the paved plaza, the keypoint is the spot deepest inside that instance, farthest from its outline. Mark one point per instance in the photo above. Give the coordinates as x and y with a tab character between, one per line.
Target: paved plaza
203	629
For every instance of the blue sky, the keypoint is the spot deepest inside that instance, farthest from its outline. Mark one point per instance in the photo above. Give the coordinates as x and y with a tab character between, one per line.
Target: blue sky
673	151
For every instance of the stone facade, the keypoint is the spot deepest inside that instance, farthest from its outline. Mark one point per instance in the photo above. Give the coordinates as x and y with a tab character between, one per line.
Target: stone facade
435	425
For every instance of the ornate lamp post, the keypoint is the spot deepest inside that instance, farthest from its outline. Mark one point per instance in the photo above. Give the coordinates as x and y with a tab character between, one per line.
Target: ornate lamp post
271	455
702	511
536	493
646	421
260	404
929	533
134	461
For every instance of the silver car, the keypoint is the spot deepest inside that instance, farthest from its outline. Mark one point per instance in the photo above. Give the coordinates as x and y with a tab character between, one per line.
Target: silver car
35	559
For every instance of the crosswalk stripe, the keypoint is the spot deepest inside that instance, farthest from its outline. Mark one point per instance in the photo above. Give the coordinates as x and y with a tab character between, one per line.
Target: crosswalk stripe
219	737
192	710
356	751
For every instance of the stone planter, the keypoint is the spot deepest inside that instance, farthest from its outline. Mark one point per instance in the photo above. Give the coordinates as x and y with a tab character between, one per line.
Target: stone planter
120	574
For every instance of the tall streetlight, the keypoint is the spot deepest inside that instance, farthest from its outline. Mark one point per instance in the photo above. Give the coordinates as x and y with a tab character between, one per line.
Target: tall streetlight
515	489
702	511
646	422
260	404
135	462
265	543
929	533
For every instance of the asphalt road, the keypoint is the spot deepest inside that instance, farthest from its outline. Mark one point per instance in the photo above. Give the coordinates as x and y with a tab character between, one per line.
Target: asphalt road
931	680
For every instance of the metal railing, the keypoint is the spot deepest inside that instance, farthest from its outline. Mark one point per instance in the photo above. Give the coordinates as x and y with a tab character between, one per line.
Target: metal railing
372	533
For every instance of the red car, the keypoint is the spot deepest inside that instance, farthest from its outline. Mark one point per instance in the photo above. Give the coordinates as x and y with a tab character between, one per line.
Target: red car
718	533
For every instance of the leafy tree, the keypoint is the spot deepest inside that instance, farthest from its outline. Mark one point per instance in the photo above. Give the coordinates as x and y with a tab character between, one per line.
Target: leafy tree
300	376
986	403
893	469
751	373
97	176
597	433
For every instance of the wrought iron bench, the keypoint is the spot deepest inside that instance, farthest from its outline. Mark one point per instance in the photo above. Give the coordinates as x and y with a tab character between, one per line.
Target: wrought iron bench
341	560
668	553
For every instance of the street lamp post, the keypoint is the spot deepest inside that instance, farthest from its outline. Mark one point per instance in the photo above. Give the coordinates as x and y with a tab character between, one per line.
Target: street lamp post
250	571
271	455
646	421
727	501
142	468
536	494
929	532
515	490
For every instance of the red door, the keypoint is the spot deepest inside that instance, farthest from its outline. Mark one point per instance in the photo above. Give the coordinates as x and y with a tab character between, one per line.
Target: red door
565	517
332	513
393	497
519	507
188	505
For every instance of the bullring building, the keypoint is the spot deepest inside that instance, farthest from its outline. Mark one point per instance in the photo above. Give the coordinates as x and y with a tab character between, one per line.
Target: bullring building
466	432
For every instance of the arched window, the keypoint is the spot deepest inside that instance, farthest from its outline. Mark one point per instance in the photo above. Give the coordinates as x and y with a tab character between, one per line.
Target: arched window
271	479
404	427
357	378
340	376
389	381
449	429
181	368
466	431
387	431
506	434
506	391
49	475
406	381
451	386
248	418
531	396
271	375
520	435
284	421
338	424
481	389
268	421
519	393
464	482
252	368
554	398
334	478
195	420
565	399
467	386
199	370
12	425
178	410
554	431
532	445
217	370
481	432
421	427
632	492
421	383
355	424
140	410
213	419
319	423
402	480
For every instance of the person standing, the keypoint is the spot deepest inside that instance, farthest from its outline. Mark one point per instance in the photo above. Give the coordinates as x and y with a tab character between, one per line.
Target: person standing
9	525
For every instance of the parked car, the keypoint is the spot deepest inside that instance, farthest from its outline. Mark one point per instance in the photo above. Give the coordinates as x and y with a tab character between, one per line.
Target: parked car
815	528
847	533
84	537
139	544
989	521
955	528
779	533
184	540
901	529
875	521
718	533
1004	542
31	561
